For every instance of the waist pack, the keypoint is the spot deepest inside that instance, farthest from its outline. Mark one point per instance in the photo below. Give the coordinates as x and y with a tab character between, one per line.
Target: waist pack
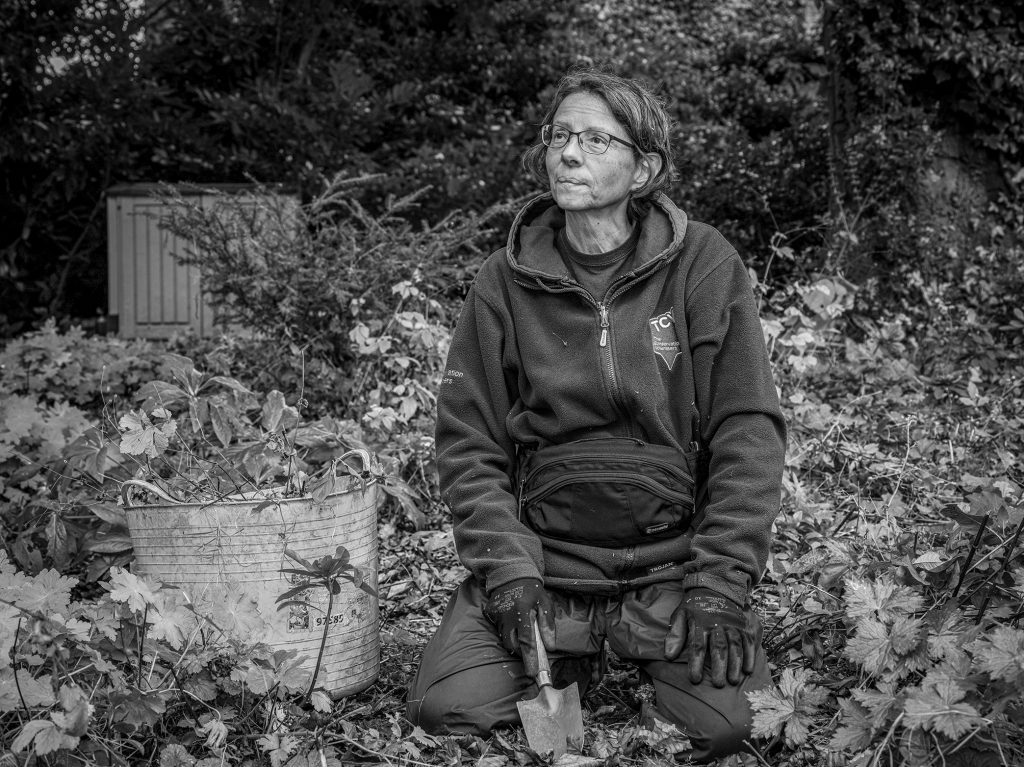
609	492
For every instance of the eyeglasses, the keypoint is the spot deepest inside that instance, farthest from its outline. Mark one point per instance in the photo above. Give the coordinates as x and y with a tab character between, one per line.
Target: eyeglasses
591	141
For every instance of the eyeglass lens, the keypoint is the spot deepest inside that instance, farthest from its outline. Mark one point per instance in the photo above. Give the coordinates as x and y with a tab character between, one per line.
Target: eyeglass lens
592	141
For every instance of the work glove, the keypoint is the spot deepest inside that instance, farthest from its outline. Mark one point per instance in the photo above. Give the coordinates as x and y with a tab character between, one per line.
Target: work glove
710	626
509	608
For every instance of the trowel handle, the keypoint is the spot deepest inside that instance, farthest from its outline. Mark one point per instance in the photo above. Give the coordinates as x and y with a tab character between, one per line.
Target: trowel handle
543	666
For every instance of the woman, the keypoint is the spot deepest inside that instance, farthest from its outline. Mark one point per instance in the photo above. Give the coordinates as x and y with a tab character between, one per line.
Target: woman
609	440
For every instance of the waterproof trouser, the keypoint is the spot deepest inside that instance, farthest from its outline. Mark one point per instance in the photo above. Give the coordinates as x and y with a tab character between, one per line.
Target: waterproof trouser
468	683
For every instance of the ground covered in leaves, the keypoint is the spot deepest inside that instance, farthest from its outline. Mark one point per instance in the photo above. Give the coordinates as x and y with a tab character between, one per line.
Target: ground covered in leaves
891	600
418	572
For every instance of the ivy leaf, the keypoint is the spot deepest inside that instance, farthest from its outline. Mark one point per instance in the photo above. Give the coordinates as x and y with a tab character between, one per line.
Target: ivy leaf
141	437
881	600
1001	654
791	707
937	705
129	588
44	736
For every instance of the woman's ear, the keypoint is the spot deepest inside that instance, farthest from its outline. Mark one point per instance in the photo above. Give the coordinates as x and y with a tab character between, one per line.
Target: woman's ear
647	169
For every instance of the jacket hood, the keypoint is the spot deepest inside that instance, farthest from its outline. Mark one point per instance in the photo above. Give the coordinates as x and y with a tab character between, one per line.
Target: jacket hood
532	253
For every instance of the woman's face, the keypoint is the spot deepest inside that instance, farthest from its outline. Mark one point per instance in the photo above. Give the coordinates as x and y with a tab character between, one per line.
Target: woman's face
592	182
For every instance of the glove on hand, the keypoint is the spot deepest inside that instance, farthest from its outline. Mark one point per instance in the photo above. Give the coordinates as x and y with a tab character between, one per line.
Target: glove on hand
509	608
709	625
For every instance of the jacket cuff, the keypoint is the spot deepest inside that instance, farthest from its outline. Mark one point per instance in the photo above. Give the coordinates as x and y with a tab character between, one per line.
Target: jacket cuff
508	573
716	583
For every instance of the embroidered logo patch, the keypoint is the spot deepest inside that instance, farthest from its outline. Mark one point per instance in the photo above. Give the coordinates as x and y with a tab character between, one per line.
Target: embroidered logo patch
663	338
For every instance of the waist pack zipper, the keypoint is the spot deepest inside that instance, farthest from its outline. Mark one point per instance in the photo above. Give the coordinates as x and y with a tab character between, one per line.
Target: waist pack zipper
669	467
631	479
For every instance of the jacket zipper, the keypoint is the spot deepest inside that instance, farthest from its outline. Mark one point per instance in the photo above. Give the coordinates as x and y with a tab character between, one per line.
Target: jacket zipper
604	343
603	308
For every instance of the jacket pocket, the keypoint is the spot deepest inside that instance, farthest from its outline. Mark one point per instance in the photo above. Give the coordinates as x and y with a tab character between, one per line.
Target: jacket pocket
607	492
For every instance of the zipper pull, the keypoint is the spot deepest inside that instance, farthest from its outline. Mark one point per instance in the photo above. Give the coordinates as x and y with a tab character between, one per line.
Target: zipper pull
604	324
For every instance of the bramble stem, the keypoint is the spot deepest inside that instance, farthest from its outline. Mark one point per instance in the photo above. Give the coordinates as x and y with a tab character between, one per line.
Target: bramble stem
970	555
323	639
17	684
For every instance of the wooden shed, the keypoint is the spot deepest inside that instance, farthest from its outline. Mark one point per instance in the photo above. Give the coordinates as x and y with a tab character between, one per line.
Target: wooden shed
151	294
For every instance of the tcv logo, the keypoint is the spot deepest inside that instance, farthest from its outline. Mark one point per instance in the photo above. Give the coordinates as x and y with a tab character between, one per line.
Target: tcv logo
663	337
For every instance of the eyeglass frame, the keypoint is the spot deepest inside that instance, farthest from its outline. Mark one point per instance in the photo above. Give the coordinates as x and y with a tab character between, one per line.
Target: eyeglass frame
548	127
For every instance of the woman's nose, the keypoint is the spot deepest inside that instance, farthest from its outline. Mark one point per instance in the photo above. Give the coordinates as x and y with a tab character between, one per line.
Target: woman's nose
572	152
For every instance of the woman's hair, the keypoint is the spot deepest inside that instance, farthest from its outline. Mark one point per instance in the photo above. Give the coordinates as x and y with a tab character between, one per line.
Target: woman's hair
634	105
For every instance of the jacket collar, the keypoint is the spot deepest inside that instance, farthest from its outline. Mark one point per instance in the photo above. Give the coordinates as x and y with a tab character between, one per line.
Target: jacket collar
531	250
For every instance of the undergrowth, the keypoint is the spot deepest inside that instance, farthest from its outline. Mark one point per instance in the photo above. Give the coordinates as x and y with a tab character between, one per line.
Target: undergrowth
891	602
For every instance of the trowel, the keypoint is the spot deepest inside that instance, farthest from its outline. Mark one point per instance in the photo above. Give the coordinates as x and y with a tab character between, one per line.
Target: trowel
554	718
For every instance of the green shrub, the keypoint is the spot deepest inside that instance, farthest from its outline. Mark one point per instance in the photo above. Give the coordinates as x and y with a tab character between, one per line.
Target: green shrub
351	309
308	275
82	369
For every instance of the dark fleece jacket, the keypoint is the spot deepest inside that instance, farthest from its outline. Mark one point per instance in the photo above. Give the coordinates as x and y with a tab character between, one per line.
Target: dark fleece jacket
672	354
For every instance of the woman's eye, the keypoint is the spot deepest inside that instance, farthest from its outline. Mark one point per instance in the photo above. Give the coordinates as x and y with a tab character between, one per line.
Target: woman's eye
597	140
559	136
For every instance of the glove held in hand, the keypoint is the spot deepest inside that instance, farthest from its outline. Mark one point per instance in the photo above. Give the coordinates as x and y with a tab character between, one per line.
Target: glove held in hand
709	626
509	608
